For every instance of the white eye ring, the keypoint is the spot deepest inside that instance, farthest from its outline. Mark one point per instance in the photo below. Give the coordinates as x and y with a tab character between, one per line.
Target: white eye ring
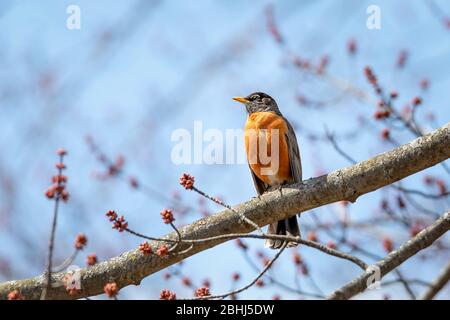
254	97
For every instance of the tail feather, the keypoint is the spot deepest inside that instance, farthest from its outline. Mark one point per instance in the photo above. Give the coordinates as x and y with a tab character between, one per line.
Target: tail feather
283	227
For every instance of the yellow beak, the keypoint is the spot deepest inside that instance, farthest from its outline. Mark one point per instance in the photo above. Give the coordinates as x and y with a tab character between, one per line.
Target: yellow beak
241	100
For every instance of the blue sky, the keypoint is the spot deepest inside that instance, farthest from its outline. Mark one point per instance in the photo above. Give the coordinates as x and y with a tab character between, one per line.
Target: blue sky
135	72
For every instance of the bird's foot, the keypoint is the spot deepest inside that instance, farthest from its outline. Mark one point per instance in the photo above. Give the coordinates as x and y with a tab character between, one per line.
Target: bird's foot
276	188
280	188
257	197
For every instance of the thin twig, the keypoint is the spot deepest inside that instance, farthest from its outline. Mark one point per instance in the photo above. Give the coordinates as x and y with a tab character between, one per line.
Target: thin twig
284	238
267	267
52	236
279	283
66	262
220	202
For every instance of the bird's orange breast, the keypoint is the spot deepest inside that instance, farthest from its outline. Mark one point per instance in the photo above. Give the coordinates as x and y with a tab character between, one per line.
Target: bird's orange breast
266	147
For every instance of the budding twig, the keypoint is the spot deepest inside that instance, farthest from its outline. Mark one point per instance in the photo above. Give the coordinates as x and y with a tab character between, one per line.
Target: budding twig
58	191
285	238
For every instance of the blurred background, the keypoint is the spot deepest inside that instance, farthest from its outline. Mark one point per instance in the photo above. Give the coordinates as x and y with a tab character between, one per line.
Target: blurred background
112	93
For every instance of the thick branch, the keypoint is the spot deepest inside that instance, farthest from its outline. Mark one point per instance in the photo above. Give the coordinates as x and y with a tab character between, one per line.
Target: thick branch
422	240
345	184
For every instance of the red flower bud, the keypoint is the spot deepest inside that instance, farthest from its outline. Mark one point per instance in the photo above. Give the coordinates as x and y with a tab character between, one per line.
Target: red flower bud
167	216
80	241
202	292
187	181
351	46
297	259
167	295
111	289
15	295
163	250
61	152
385	134
331	245
387	244
91	259
312	236
416	101
145	248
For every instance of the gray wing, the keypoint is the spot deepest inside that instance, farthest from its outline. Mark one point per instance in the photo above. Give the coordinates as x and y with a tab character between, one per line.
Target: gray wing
294	153
260	186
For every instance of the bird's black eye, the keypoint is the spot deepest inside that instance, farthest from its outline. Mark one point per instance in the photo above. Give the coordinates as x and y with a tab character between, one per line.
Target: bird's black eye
254	97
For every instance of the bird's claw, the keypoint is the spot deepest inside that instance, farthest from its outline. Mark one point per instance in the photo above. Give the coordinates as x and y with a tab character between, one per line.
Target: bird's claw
280	188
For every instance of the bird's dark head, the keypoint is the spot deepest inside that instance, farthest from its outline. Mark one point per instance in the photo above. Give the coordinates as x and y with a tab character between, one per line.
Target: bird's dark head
259	102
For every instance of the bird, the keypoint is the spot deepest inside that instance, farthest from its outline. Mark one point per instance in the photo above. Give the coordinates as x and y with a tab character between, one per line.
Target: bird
266	122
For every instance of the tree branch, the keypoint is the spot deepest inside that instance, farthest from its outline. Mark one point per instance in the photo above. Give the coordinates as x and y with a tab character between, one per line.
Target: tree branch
422	240
438	284
345	184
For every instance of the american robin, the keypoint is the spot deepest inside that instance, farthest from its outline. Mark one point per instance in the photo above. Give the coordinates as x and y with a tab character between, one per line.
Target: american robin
280	165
